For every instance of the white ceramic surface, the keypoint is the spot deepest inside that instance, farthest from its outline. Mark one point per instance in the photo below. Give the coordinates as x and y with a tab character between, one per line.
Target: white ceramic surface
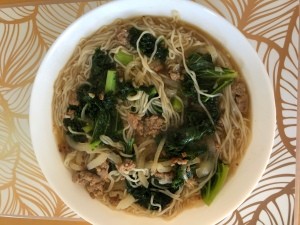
236	189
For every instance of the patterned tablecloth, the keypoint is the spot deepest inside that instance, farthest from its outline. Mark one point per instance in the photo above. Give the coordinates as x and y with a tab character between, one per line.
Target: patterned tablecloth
26	32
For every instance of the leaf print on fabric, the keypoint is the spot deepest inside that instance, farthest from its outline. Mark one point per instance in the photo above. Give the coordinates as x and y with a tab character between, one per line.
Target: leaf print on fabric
17	14
278	208
278	174
268	19
235	218
18	99
5	128
231	10
52	20
21	52
8	163
88	6
24	190
286	88
61	210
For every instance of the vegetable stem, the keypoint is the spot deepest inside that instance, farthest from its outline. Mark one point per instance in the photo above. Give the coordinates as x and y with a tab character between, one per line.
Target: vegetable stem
111	81
214	185
87	128
95	144
123	57
177	104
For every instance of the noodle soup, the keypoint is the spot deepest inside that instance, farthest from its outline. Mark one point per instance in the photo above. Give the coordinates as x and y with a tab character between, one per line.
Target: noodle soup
150	115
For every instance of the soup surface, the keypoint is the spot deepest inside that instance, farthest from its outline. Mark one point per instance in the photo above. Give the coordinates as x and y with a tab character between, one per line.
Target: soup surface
150	115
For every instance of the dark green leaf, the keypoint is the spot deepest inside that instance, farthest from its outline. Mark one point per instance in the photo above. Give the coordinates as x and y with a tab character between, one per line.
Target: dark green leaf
102	123
178	180
147	44
214	185
143	197
198	62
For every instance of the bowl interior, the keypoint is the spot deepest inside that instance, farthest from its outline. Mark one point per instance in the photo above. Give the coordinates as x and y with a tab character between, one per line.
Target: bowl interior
236	189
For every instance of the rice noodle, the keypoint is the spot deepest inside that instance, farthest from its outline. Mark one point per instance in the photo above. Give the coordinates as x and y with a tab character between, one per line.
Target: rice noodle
157	154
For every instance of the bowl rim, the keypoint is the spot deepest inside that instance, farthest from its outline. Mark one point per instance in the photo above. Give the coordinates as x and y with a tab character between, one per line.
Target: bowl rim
189	11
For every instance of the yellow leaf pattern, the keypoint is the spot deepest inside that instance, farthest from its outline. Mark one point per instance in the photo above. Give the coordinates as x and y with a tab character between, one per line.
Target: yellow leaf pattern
272	27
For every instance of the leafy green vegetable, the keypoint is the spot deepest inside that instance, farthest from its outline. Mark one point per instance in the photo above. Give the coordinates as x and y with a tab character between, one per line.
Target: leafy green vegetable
188	137
143	197
184	139
191	134
196	149
178	179
158	109
116	131
123	57
76	124
188	89
198	62
98	112
82	94
209	77
129	147
109	102
216	80
149	90
79	138
101	63
102	123
197	116
147	44
219	75
214	185
126	88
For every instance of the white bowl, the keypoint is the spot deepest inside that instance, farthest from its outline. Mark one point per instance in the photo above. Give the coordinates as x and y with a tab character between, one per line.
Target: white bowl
236	189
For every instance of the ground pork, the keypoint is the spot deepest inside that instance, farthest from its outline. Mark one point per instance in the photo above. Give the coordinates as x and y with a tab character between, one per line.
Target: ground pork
122	37
93	183
179	161
133	120
115	197
70	113
239	91
174	72
73	99
175	76
150	126
156	66
102	171
126	167
64	148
